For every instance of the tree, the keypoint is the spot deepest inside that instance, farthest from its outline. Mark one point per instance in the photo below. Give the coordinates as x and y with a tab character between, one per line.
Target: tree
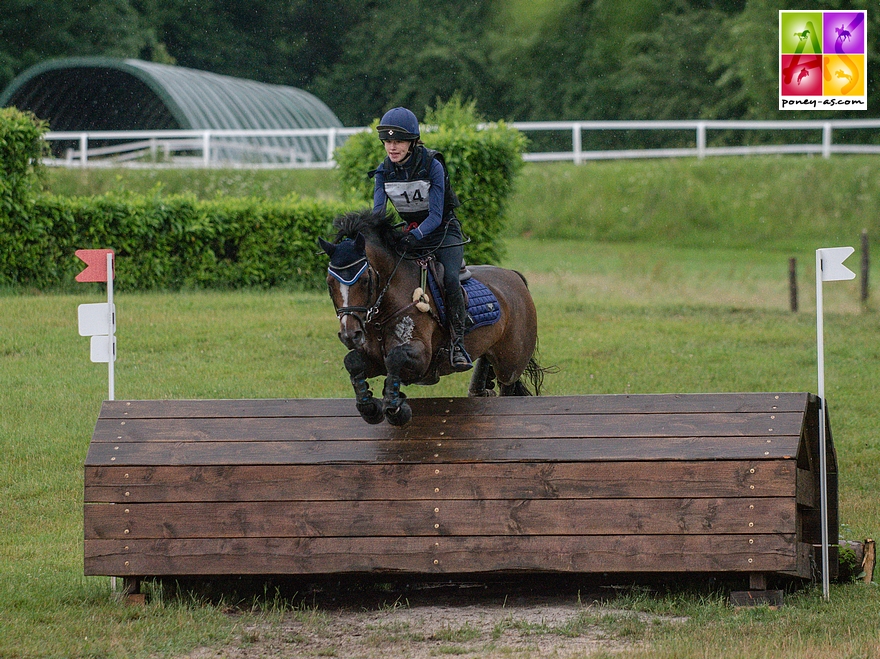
32	31
409	53
276	41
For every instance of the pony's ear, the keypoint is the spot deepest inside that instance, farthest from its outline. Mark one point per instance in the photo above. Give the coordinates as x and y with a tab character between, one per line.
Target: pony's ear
328	248
360	242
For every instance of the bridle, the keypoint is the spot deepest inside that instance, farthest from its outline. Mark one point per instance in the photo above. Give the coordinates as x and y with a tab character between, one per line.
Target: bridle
363	314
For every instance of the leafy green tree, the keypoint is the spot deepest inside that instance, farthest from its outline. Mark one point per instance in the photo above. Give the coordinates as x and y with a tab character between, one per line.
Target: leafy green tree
277	41
32	31
409	53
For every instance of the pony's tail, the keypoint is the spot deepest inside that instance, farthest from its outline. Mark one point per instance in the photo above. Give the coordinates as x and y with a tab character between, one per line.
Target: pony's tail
534	374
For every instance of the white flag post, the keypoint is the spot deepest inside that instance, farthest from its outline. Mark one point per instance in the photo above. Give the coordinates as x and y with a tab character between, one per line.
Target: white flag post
99	320
829	267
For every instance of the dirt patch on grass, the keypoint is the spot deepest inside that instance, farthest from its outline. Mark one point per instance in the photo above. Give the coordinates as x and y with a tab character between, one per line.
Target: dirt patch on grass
464	621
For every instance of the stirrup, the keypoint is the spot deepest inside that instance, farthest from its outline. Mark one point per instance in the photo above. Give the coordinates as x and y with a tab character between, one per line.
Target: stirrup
459	359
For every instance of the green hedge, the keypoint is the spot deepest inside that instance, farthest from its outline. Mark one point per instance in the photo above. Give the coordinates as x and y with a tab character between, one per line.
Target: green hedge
483	164
21	147
171	242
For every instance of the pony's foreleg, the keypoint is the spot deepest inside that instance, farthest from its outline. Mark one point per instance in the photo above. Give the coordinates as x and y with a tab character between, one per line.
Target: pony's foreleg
397	410
368	407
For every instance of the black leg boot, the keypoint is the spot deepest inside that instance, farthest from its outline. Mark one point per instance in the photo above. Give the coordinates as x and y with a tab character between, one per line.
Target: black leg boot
460	359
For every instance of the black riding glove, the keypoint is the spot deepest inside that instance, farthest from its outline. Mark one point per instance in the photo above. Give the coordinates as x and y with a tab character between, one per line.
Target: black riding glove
407	242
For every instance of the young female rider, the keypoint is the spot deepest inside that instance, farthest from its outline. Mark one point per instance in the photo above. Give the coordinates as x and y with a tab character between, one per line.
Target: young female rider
415	181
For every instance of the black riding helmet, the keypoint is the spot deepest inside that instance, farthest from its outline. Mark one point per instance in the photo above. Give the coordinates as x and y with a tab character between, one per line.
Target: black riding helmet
399	124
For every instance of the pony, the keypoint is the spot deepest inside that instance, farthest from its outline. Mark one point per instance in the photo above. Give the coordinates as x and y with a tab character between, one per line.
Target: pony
392	327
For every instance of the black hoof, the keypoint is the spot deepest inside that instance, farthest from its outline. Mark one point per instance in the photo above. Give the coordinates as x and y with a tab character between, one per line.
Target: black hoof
371	412
483	393
401	416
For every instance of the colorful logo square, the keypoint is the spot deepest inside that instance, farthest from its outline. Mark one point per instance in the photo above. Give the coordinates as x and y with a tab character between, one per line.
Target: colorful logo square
822	60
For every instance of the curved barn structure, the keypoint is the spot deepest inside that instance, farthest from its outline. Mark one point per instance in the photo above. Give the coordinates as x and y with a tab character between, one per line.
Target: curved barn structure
104	94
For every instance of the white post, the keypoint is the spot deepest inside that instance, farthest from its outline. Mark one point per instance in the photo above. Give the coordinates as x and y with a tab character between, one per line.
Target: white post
823	467
576	143
331	144
111	333
701	139
826	140
83	149
206	148
829	267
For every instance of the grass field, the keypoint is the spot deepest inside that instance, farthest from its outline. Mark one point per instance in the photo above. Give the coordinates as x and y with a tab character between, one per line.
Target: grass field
639	317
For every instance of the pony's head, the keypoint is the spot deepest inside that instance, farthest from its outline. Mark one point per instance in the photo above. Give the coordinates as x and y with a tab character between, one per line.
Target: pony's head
350	280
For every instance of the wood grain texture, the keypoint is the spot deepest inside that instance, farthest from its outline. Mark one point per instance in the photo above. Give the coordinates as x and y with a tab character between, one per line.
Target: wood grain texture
535	517
564	405
526	449
370	482
634	553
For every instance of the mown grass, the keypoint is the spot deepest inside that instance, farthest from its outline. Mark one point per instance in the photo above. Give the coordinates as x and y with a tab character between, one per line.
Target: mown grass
645	316
204	183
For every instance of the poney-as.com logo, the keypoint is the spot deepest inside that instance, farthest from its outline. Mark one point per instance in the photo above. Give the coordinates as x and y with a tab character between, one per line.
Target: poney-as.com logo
822	60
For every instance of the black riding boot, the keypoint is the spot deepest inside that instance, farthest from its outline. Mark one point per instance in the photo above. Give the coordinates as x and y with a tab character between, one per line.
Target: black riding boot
460	359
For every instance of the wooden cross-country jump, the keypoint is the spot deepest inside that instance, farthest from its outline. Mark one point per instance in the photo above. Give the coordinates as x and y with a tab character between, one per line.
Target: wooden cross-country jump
695	483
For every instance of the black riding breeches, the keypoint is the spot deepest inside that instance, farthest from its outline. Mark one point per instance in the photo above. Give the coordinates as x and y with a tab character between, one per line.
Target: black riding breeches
450	252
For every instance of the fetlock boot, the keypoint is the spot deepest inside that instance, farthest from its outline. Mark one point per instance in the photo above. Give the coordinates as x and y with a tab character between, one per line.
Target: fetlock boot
459	358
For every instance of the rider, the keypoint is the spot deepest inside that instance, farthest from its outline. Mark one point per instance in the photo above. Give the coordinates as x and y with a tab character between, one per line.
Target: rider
414	179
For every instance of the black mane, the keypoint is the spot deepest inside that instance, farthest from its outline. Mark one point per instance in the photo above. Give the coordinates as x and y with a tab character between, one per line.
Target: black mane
376	228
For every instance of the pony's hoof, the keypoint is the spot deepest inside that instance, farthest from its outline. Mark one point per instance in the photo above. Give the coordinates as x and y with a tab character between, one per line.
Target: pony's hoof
371	412
401	416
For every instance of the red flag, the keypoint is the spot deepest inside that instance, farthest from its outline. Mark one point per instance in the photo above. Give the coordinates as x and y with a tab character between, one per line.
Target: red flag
96	264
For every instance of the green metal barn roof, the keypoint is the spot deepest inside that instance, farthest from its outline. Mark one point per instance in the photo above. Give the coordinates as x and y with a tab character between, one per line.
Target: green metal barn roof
99	93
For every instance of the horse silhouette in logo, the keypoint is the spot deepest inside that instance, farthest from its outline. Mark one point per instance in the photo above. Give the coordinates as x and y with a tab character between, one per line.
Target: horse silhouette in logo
842	33
803	74
842	74
803	35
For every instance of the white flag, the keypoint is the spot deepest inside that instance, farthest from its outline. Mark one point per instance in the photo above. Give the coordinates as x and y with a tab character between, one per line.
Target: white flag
831	259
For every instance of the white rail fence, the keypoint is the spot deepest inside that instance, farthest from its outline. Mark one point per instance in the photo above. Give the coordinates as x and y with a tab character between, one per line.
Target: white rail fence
314	147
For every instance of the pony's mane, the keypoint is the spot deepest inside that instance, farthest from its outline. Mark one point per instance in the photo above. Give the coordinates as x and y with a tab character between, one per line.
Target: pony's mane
376	228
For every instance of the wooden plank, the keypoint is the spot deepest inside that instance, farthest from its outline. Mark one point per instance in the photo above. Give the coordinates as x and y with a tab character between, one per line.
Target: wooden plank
380	452
440	518
807	494
562	480
450	427
443	555
344	407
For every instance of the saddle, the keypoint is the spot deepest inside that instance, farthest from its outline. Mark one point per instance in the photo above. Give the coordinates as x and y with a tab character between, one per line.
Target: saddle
480	302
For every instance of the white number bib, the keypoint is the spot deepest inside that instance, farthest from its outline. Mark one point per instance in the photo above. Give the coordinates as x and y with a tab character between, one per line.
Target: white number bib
408	196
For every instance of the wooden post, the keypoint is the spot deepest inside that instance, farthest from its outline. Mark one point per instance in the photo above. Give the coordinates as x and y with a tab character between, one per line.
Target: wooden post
869	560
865	265
792	284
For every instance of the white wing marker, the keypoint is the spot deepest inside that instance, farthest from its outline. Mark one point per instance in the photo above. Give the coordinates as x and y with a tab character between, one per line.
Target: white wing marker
829	267
99	320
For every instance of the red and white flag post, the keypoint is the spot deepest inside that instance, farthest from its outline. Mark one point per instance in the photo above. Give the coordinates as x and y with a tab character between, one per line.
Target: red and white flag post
829	267
99	320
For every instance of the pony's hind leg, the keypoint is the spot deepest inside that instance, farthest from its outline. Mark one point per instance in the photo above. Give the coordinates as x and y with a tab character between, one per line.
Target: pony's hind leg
368	407
482	380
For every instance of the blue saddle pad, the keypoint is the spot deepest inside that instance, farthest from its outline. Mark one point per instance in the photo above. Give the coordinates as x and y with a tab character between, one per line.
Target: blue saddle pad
482	305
